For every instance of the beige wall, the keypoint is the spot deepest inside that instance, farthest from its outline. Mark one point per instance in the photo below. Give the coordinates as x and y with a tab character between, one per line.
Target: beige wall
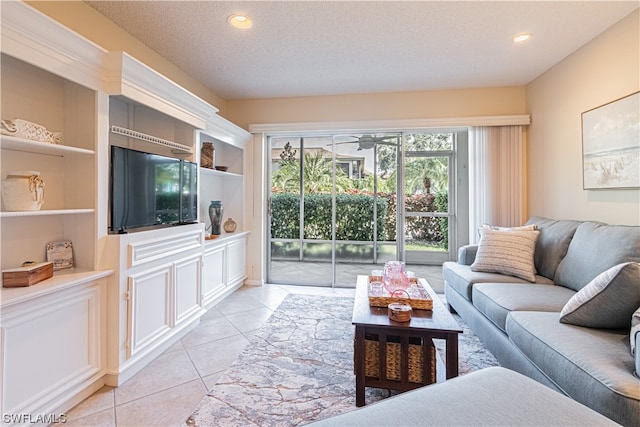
86	21
379	106
605	69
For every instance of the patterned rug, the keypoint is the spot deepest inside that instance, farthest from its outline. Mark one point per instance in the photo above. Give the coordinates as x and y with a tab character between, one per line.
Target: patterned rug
299	368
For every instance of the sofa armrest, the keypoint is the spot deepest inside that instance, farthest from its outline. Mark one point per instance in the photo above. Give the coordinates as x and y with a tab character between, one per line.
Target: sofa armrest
467	254
634	338
637	357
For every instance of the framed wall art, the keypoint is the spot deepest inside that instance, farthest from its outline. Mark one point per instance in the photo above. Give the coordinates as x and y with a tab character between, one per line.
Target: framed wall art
611	145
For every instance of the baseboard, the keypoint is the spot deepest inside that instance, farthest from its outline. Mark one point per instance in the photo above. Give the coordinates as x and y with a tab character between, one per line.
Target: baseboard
137	363
80	396
254	282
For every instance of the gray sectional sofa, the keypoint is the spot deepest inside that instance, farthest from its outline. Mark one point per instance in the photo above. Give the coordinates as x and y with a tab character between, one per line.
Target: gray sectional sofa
489	397
569	328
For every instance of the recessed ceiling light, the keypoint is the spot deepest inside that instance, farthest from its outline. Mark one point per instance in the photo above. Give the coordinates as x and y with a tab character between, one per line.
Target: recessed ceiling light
522	37
240	21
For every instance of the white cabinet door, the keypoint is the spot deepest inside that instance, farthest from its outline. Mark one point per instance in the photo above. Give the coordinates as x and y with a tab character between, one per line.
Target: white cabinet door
213	272
150	307
52	346
187	287
236	261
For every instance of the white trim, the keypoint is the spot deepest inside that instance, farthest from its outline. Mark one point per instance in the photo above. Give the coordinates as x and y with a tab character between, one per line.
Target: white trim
134	80
390	125
119	130
222	129
33	37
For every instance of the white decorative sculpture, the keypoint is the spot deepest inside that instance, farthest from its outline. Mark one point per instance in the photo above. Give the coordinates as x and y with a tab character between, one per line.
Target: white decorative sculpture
28	130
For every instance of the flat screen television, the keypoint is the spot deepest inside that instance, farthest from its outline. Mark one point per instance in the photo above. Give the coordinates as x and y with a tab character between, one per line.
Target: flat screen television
150	191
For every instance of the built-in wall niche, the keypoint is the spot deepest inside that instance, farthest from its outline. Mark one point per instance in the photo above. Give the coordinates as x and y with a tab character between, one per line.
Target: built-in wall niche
35	95
68	168
227	186
226	155
127	114
25	238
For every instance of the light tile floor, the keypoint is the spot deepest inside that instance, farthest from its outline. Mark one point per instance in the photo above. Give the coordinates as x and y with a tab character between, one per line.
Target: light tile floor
167	391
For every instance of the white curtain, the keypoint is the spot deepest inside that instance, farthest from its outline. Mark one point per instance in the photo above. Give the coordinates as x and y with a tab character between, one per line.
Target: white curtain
496	177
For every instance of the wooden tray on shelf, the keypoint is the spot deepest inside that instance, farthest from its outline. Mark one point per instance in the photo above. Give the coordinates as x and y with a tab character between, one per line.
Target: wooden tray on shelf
422	301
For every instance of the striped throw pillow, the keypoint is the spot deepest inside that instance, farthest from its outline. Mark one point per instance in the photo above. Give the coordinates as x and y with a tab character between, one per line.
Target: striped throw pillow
507	252
608	301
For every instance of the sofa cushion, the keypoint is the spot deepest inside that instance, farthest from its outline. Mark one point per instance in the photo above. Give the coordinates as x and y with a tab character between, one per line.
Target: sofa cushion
593	366
462	278
489	397
608	301
552	244
496	300
507	252
595	248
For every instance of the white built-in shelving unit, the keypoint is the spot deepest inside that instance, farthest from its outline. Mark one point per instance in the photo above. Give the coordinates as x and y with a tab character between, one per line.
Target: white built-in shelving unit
129	296
54	333
229	188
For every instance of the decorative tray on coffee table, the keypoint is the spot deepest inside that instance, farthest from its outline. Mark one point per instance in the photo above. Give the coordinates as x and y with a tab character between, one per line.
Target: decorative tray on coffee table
416	296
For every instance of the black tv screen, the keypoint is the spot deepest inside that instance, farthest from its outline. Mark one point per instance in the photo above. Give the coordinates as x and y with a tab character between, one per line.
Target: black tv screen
148	190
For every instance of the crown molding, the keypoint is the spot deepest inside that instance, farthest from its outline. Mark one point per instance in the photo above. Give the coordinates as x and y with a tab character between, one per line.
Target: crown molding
391	125
130	78
226	131
35	38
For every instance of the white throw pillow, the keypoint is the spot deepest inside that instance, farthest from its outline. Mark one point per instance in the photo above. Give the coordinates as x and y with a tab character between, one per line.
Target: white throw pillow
608	301
507	252
529	227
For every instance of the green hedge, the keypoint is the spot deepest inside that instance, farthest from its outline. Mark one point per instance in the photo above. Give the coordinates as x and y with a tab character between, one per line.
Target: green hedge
428	229
353	217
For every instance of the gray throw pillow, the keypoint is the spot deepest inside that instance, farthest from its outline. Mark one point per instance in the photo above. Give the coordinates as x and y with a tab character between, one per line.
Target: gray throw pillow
553	243
595	248
608	301
507	252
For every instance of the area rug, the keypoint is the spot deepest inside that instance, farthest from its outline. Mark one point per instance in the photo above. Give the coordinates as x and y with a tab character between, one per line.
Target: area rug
299	368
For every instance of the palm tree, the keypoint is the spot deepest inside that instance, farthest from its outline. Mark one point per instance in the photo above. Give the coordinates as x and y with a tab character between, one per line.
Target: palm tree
434	169
318	175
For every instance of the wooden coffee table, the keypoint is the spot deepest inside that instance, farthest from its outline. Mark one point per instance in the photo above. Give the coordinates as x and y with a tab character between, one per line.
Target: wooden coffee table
425	325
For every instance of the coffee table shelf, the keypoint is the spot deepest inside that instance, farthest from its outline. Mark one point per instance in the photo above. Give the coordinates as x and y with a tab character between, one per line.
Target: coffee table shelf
425	325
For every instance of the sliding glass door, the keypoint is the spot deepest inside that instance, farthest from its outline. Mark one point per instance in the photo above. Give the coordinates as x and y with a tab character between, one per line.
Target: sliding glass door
366	184
334	210
428	161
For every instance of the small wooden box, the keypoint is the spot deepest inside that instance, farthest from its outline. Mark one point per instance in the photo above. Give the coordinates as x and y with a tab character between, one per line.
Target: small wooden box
27	276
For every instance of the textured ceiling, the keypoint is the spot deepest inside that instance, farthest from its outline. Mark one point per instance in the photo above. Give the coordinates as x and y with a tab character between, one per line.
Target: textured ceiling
309	48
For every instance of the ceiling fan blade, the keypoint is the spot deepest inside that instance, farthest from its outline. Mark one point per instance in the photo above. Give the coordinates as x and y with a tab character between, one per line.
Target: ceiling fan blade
368	141
343	142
